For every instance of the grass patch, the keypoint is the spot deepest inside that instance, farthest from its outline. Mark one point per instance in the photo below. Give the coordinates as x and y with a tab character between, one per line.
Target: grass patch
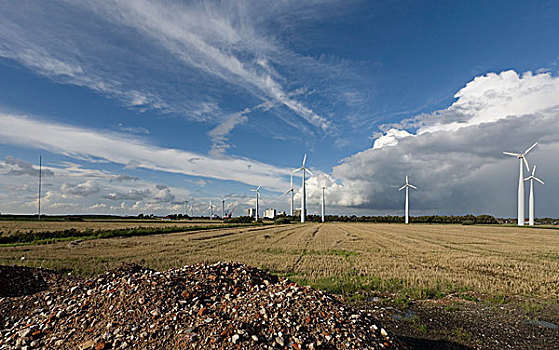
49	237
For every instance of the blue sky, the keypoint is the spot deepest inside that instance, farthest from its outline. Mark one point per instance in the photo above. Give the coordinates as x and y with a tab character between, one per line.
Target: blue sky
204	99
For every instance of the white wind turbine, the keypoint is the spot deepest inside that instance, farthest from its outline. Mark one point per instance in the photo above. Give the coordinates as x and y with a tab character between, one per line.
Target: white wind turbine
531	207
286	192
222	206
323	203
257	190
211	208
407	186
304	196
522	158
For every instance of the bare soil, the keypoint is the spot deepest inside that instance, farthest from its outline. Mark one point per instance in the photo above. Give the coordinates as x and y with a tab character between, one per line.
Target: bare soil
452	323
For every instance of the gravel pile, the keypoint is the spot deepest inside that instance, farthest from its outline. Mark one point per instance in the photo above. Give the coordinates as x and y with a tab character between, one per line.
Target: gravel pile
220	306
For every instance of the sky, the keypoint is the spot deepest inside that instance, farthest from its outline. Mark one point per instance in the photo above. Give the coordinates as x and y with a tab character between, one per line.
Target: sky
136	106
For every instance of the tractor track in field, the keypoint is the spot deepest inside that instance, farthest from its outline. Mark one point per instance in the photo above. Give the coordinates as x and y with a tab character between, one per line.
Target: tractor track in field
307	243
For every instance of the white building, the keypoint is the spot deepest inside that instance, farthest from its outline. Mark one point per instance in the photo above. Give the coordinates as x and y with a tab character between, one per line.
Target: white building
270	213
251	212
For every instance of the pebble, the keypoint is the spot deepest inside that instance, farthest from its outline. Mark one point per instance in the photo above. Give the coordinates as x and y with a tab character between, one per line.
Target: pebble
198	306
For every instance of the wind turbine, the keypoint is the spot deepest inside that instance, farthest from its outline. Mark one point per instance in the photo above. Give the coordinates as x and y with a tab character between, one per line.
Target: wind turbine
40	173
531	208
304	196
222	206
210	208
257	194
286	192
323	203
407	186
191	211
185	206
522	158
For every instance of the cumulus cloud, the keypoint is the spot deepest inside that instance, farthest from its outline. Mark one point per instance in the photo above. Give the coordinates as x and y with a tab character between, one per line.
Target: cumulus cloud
455	155
19	167
84	189
163	195
131	195
124	178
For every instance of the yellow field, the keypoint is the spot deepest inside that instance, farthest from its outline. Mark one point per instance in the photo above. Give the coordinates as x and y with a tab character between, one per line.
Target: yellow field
492	260
11	227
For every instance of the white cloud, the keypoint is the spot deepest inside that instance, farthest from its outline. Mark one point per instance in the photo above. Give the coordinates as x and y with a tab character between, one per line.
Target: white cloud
83	189
118	148
455	156
18	167
161	52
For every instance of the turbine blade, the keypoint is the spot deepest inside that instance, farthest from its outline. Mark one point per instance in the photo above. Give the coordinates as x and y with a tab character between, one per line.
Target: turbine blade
412	186
304	159
531	148
310	172
258	188
528	178
526	163
406	179
534	170
538	180
296	170
401	188
511	154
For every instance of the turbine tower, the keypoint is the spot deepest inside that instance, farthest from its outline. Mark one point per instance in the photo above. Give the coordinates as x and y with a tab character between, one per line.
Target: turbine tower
286	192
210	208
257	190
304	196
323	203
522	159
185	207
531	207
407	186
222	206
40	173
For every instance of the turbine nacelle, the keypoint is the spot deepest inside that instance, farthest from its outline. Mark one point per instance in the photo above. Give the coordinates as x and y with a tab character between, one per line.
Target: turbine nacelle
533	176
522	156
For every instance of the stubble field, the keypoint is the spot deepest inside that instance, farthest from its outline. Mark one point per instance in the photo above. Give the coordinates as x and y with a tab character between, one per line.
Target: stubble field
15	227
422	261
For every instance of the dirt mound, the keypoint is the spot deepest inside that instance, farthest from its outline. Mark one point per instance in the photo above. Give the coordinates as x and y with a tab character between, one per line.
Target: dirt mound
220	306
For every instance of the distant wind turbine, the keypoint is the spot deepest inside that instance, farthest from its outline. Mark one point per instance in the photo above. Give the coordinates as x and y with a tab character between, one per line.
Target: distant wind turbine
323	203
286	192
407	186
222	206
40	173
257	190
211	208
185	206
531	207
304	196
522	158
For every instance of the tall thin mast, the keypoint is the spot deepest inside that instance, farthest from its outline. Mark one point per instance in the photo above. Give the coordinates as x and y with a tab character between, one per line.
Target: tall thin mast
40	173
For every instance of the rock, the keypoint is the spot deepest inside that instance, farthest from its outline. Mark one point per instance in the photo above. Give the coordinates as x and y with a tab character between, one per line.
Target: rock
198	306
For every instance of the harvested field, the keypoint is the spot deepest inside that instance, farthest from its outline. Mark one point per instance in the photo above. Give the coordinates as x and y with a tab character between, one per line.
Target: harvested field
420	260
13	227
433	286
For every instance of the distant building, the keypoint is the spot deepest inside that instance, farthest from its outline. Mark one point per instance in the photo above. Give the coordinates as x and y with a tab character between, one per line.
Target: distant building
251	212
270	213
297	212
281	213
